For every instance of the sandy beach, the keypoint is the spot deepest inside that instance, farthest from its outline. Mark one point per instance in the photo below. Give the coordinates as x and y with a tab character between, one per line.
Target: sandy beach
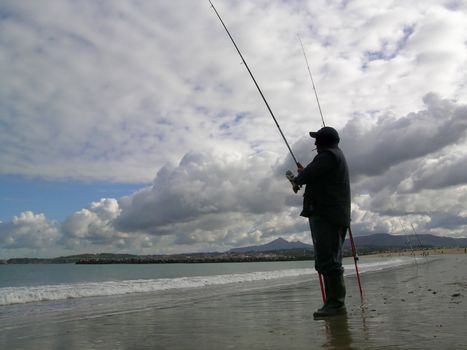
419	306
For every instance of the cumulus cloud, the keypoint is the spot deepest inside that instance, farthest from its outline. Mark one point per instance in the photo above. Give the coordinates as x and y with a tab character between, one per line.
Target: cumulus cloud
93	228
93	223
30	231
386	141
203	184
446	171
211	198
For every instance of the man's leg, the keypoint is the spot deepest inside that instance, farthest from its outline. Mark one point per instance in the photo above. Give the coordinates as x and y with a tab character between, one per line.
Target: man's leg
328	240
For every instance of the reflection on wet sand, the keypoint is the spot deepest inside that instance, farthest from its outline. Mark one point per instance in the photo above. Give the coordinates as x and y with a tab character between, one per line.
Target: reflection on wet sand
337	333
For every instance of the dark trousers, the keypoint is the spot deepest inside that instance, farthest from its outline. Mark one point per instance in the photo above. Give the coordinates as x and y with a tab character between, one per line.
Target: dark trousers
328	239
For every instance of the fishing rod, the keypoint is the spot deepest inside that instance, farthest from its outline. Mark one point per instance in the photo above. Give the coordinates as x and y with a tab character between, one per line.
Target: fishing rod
355	259
256	84
416	236
295	188
407	241
352	243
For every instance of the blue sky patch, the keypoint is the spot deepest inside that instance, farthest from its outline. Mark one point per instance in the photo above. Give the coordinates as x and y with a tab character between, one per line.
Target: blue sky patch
55	199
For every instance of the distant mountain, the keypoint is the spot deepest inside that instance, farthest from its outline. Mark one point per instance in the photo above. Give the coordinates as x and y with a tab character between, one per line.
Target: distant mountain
377	240
278	244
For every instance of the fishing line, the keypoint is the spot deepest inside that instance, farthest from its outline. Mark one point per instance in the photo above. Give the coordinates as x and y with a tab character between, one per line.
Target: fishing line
312	81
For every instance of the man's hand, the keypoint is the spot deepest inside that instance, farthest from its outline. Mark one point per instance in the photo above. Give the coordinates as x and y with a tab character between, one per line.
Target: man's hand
291	178
295	188
300	168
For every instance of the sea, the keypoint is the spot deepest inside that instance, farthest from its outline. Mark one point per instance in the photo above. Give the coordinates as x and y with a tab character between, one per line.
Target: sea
34	284
45	297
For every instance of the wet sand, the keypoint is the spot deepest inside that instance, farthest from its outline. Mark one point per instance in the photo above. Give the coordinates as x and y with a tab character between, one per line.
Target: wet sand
420	306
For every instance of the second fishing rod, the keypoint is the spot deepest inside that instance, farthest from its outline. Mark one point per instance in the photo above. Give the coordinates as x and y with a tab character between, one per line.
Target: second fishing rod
352	242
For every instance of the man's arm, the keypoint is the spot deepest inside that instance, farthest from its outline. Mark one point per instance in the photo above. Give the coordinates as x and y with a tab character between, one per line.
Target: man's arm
317	169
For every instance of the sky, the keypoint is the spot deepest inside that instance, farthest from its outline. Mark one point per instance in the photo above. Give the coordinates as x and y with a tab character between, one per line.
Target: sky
134	127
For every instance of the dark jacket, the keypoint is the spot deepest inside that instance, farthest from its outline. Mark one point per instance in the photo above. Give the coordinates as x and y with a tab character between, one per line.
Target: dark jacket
327	192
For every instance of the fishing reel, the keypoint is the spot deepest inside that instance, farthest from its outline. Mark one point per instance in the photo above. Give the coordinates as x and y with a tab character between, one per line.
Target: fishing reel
290	176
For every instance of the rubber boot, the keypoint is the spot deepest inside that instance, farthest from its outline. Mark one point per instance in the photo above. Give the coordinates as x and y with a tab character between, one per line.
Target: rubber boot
327	293
335	297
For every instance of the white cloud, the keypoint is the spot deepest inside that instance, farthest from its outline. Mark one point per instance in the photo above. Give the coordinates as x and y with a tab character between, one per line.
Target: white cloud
207	197
92	229
390	141
29	230
93	223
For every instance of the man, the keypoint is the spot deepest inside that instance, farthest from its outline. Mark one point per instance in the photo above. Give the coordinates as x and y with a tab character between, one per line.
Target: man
326	204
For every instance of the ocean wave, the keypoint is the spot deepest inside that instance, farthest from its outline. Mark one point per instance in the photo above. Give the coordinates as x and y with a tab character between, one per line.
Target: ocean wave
21	295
